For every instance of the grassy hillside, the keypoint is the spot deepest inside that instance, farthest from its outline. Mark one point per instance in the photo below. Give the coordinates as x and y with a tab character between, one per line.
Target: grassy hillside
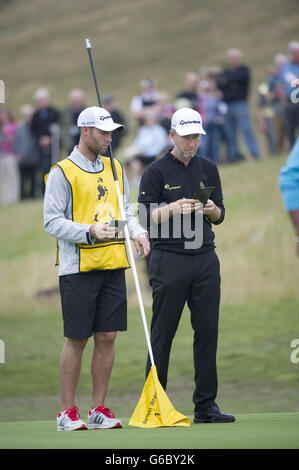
43	42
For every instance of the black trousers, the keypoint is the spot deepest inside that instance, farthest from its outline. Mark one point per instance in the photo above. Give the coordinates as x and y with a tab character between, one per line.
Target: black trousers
195	279
28	174
291	114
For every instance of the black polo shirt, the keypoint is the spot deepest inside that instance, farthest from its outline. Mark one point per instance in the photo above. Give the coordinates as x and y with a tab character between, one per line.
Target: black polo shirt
166	180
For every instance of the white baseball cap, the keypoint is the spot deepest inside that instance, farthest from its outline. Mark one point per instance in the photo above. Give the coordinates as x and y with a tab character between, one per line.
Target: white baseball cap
97	117
186	121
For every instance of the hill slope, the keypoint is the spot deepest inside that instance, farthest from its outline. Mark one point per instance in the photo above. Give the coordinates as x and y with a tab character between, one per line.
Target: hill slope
43	43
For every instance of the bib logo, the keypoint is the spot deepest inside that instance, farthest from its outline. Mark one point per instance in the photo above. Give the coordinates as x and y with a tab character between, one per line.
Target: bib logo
102	197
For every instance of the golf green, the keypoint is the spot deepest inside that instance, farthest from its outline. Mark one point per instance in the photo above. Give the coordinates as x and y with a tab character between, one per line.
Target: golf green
249	431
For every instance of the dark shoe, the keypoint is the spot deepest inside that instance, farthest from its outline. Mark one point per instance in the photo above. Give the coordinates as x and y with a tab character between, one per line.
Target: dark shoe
213	415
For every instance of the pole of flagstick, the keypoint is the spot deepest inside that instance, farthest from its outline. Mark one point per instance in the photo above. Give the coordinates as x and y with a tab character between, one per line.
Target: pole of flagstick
122	210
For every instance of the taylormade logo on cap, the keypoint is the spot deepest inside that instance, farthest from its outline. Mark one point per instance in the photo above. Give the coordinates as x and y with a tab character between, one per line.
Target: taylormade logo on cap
97	117
186	121
189	122
103	118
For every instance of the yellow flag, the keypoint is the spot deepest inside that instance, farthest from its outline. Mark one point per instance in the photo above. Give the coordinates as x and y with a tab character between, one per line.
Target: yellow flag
154	408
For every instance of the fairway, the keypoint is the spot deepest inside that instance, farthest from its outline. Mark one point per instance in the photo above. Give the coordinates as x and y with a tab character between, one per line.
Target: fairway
250	431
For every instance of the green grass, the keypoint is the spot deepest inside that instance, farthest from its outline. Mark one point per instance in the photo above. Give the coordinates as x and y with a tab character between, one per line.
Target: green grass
255	244
249	431
258	318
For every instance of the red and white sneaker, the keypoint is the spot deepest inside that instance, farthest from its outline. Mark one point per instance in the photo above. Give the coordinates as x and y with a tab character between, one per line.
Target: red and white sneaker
69	420
102	418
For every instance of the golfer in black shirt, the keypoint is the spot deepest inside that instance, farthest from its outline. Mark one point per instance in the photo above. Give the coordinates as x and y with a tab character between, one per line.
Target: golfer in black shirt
183	264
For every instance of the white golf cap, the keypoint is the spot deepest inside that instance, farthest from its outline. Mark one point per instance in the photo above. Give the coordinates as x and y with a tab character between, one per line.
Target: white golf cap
186	121
97	117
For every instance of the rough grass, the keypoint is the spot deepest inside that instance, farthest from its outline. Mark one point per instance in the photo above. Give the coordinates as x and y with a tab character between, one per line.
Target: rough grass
259	309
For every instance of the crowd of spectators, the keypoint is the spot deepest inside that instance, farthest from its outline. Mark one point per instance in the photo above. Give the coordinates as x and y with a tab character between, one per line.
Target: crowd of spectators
44	134
222	96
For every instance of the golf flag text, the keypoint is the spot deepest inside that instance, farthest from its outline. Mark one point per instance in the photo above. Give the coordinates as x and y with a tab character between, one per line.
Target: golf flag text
154	408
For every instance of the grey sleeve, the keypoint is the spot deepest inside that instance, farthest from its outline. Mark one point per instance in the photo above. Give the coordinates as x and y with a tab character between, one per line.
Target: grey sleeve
134	227
58	210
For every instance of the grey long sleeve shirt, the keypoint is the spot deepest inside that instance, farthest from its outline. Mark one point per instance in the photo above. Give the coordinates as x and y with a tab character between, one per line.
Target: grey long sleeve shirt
58	214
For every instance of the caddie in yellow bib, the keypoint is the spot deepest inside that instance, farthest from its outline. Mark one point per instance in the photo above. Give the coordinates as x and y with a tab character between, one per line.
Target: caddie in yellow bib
82	196
94	200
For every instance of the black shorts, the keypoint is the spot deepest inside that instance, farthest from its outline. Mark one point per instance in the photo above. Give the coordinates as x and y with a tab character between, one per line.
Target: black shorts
93	302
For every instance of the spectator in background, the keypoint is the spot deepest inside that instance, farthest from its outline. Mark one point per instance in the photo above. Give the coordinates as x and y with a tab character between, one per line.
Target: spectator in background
181	103
273	81
9	169
26	149
265	112
288	81
117	116
215	112
8	131
203	92
213	73
147	99
289	186
234	83
191	92
42	119
165	110
69	131
150	143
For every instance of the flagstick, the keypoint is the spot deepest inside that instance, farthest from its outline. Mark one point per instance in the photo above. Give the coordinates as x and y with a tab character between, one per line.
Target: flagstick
122	210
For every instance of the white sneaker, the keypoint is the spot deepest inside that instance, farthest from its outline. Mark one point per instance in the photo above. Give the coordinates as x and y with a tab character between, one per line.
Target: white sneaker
102	418
69	420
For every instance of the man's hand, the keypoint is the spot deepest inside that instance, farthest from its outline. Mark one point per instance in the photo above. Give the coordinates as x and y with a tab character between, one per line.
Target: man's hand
102	231
211	211
185	206
181	206
142	245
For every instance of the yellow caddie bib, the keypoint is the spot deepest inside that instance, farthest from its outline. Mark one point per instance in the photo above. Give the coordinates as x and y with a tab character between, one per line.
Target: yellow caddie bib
94	200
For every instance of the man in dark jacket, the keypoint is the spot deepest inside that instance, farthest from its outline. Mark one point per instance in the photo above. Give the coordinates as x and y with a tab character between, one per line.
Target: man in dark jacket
26	149
234	83
117	116
42	119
